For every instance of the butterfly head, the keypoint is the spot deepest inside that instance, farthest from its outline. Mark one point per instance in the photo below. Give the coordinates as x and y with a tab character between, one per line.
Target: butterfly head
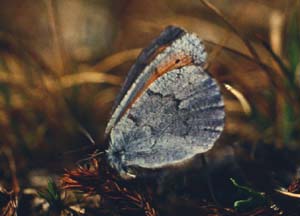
116	160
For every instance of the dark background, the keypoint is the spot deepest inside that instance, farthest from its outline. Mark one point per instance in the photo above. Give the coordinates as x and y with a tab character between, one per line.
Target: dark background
63	62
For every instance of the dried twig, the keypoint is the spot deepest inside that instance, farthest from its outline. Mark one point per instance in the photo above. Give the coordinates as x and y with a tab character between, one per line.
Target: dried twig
8	203
57	36
216	11
99	180
9	207
277	83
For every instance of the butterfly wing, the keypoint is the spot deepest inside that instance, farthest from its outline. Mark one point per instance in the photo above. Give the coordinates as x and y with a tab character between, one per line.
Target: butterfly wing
180	115
170	34
179	49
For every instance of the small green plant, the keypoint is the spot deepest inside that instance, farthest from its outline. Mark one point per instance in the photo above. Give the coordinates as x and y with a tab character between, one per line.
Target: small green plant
52	195
59	202
253	198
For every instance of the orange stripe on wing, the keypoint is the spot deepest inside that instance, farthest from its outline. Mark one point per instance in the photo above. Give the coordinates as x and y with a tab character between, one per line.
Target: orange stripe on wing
175	62
157	51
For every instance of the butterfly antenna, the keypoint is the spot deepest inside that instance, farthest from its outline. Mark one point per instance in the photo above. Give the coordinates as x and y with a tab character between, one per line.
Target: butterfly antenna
93	155
86	134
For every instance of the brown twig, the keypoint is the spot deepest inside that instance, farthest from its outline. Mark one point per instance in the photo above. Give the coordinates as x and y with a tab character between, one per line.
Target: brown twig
13	45
10	208
13	169
276	82
9	203
116	59
57	37
278	61
247	43
98	179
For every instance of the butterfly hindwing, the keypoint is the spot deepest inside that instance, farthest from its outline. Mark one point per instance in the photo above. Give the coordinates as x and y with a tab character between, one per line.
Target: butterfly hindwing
180	115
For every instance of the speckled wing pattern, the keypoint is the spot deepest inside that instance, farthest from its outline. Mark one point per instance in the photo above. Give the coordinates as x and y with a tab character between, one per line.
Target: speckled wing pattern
170	34
177	44
176	116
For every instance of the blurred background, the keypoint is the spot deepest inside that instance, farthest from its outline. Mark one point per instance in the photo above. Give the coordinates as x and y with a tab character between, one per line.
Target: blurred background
63	62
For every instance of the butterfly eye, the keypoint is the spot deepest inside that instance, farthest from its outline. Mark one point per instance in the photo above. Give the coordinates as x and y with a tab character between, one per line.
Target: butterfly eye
177	61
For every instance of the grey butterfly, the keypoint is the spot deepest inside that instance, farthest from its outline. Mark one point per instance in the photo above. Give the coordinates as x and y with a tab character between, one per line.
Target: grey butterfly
168	110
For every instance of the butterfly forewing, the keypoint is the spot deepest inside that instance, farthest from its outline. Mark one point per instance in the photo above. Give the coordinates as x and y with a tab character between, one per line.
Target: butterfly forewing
177	48
170	34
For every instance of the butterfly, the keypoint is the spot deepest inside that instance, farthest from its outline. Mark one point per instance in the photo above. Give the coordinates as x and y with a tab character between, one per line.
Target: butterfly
168	110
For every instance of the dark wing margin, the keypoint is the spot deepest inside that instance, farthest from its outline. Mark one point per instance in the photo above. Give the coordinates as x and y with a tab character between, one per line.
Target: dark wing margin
170	34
